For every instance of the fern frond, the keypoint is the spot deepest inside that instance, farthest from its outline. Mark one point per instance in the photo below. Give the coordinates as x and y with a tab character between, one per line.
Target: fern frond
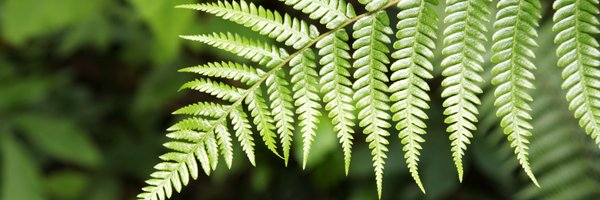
293	32
241	125
576	25
306	97
217	89
332	13
262	119
516	22
255	50
370	63
335	85
282	109
416	34
230	70
464	39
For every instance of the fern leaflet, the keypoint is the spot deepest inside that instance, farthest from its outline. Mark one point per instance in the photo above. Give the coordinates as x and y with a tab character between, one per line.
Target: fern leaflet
304	80
516	22
282	108
576	25
332	13
293	32
370	63
241	125
229	70
335	85
416	34
464	38
262	119
255	50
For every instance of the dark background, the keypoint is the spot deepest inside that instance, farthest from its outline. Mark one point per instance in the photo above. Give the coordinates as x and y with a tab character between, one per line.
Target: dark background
87	88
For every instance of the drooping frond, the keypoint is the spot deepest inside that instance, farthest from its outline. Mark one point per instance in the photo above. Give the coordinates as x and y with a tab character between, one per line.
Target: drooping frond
306	97
262	119
464	41
370	87
336	87
576	25
516	22
282	109
257	51
293	32
229	70
416	34
332	13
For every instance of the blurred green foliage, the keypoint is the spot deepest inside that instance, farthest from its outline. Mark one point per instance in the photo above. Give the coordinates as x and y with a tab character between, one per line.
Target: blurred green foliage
87	88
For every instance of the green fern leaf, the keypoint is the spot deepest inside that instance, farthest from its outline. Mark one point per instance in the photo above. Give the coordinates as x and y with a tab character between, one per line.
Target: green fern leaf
516	22
332	13
306	97
282	109
293	32
255	50
241	125
464	41
576	25
206	109
192	123
370	63
225	144
229	70
181	163
335	85
212	150
416	34
262	119
372	5
217	89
